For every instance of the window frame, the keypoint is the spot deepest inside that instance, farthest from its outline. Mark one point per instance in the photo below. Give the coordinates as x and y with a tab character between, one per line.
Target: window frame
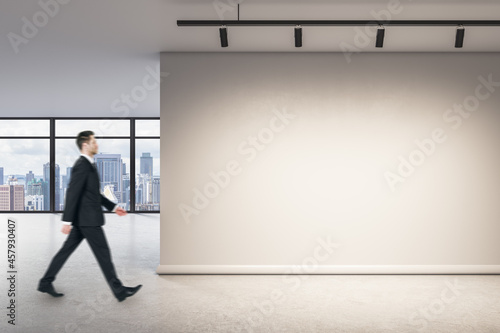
52	155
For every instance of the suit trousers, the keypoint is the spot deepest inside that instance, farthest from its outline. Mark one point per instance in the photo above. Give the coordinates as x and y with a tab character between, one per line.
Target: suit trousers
97	241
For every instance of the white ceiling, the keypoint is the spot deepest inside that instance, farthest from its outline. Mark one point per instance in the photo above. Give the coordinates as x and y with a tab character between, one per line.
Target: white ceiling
101	48
330	39
149	26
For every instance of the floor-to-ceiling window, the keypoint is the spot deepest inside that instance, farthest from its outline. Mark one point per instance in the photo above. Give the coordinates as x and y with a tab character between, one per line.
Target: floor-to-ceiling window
25	182
147	165
38	154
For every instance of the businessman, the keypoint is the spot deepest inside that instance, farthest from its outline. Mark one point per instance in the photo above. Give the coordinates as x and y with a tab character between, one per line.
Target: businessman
83	218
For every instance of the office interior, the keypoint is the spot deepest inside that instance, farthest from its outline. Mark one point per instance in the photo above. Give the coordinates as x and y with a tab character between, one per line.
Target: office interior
304	177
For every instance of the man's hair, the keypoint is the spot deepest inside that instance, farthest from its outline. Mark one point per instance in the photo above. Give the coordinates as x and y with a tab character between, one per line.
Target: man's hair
82	138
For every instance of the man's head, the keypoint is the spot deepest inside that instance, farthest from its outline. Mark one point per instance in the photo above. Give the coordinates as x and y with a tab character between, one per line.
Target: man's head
87	143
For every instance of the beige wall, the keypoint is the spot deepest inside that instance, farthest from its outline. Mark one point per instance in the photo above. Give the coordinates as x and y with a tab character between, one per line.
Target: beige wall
295	151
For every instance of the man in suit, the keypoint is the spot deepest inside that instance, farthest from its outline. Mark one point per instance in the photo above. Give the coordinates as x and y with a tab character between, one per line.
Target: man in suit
83	218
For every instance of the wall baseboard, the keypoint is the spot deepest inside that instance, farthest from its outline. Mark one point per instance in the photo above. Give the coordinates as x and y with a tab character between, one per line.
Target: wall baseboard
328	269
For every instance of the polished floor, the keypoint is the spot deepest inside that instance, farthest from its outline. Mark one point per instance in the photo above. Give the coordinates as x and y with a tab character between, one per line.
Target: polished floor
227	303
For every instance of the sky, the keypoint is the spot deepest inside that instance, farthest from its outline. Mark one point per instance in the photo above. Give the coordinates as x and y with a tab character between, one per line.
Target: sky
19	156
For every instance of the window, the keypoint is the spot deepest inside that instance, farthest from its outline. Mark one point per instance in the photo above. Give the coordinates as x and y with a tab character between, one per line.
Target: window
147	165
24	167
147	128
101	127
24	128
31	146
147	161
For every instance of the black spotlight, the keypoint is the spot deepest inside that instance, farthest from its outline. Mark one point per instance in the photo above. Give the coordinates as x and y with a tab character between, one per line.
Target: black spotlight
223	36
298	36
459	39
380	37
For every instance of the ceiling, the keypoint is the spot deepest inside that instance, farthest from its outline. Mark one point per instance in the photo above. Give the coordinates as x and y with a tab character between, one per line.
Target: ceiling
86	52
149	26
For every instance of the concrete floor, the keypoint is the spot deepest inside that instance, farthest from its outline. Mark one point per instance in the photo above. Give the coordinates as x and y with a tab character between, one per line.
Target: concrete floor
228	303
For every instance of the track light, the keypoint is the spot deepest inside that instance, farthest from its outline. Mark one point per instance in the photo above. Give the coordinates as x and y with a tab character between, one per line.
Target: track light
223	36
459	39
380	37
299	23
298	36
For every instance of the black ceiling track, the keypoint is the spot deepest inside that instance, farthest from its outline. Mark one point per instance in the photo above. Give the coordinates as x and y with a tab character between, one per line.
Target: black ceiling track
205	23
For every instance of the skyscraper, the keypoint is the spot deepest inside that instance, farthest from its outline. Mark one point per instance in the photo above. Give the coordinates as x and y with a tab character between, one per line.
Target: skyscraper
156	190
11	197
4	197
34	187
109	167
1	175
147	164
46	172
126	190
33	202
17	199
46	186
64	186
126	199
68	173
57	186
46	194
30	177
138	196
147	192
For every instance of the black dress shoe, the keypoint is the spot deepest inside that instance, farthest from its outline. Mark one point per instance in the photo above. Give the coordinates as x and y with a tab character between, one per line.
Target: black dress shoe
128	292
49	290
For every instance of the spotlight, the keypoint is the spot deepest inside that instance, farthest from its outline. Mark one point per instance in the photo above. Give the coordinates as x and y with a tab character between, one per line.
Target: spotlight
223	36
380	37
459	39
298	36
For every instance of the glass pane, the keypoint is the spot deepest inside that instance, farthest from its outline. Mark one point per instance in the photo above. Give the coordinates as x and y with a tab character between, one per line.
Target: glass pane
24	127
66	154
147	181
113	164
24	174
101	127
147	127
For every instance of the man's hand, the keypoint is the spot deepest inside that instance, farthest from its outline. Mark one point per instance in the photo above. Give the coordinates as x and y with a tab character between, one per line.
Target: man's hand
120	211
66	228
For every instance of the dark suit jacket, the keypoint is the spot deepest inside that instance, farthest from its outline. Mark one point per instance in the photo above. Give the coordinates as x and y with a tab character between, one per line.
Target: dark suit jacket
84	200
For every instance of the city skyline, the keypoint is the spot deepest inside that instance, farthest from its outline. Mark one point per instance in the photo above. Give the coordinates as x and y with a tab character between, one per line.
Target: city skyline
16	164
113	176
25	152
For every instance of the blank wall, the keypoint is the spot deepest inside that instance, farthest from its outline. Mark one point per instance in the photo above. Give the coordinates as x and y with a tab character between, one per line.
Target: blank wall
294	151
